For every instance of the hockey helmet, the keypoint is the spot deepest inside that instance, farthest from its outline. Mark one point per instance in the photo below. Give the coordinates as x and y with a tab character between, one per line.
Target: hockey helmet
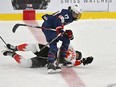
72	55
76	11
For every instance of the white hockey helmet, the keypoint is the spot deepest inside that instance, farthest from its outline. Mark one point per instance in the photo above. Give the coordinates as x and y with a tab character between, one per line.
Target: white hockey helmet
76	8
71	54
76	11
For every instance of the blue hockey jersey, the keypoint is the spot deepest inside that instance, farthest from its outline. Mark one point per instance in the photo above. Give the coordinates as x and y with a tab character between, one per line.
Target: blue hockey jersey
57	19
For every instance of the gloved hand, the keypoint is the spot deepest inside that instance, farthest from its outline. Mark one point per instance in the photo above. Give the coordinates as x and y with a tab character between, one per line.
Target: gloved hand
69	34
59	29
87	60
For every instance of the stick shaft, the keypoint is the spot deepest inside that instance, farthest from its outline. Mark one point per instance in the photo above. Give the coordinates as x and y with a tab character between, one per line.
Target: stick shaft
50	42
33	26
3	40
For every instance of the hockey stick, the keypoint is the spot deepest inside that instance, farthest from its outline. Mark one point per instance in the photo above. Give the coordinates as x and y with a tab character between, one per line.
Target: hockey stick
17	25
51	41
41	57
47	45
3	40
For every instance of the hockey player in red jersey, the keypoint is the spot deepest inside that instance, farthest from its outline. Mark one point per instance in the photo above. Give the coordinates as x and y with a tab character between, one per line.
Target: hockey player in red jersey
41	56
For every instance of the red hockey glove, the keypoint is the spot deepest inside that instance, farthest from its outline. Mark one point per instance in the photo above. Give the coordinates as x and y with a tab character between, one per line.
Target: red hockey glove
69	34
59	29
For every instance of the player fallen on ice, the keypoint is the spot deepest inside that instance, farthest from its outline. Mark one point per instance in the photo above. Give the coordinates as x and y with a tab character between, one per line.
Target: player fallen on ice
75	57
57	21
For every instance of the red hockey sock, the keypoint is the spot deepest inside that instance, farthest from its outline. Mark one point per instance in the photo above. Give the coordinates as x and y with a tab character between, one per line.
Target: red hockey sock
17	58
21	47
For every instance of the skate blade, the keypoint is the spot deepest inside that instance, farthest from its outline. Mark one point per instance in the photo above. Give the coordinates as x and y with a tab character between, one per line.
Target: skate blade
51	71
68	65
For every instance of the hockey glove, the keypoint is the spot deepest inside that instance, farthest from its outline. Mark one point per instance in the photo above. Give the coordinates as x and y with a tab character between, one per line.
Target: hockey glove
59	29
69	34
87	60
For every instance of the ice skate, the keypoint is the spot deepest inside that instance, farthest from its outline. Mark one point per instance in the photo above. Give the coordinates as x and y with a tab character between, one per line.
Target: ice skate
11	47
53	68
64	62
8	53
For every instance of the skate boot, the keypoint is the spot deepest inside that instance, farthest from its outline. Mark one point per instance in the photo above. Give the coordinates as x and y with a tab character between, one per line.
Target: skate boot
16	56
64	62
53	68
11	47
87	60
8	53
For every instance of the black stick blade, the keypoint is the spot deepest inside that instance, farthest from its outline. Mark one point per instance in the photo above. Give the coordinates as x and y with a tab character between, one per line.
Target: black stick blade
16	26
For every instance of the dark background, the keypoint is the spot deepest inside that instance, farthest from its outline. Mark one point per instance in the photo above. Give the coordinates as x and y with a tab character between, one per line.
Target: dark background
29	4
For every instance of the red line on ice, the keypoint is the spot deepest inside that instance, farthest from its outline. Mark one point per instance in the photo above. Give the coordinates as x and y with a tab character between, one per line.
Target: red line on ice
71	78
37	33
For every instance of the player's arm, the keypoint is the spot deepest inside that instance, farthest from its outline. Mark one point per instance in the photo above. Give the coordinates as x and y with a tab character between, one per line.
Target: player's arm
76	57
84	61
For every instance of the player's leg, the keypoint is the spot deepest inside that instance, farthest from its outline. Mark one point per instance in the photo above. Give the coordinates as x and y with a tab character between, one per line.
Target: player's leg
52	67
29	63
63	50
38	62
24	47
18	58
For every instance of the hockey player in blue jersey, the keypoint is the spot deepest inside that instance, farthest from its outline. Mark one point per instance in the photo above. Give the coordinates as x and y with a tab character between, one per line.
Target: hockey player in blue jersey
54	25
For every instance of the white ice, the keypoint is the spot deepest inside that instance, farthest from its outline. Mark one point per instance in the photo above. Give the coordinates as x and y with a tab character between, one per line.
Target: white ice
95	38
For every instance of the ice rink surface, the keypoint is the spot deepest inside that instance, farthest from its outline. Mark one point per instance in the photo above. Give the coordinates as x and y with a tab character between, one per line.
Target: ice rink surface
95	38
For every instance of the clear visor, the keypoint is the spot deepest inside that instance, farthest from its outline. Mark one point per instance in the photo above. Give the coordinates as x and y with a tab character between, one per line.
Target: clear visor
76	16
